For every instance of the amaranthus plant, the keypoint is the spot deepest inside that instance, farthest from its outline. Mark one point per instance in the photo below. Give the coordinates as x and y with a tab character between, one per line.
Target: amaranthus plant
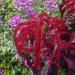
49	41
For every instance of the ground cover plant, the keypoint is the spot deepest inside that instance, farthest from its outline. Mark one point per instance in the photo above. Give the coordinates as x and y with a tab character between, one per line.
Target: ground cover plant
37	37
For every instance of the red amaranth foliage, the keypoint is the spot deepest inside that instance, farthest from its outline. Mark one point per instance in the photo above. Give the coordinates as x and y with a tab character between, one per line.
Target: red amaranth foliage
68	6
44	33
46	40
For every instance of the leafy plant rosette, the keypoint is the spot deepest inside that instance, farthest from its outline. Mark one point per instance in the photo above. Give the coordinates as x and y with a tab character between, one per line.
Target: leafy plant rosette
44	40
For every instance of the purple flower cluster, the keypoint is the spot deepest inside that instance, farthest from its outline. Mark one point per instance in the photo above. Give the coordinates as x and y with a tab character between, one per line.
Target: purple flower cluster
22	4
26	6
1	20
1	71
30	12
13	20
50	4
